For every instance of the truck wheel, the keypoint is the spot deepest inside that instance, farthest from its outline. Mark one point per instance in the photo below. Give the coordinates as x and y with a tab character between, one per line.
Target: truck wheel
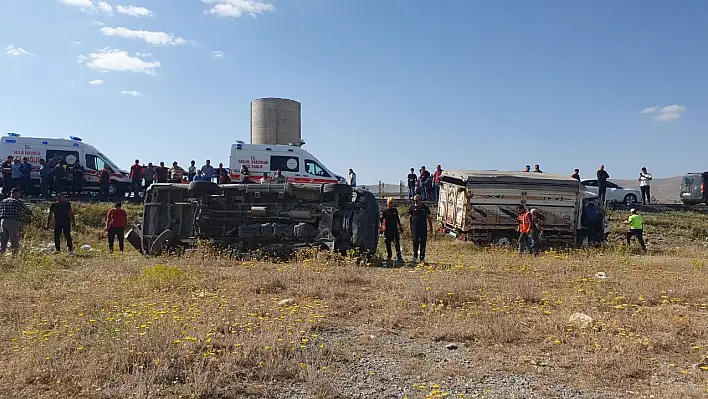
162	242
198	189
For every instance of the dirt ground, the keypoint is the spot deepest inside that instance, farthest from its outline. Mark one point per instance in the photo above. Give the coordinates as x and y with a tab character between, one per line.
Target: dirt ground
473	323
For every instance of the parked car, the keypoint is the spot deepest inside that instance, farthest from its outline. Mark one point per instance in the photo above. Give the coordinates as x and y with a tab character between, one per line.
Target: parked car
615	193
693	188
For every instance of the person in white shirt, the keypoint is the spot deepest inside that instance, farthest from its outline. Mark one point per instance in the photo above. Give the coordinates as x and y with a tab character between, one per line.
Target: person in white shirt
352	178
645	186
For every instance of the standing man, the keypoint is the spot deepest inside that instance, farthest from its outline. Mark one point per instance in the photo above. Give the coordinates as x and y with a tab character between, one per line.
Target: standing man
26	176
525	220
279	178
219	171
208	170
412	180
161	173
7	177
645	185
436	182
149	175
420	220
78	178
136	178
64	220
537	169
12	213
576	174
536	230
426	184
351	178
116	222
602	177
17	173
59	175
176	173
191	171
392	229
636	229
104	182
45	178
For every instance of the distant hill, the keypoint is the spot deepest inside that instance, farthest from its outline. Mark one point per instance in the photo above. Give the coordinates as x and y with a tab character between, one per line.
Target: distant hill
664	190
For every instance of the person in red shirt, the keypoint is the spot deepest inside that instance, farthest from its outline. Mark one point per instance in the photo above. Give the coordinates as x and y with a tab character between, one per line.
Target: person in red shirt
116	222
136	177
436	182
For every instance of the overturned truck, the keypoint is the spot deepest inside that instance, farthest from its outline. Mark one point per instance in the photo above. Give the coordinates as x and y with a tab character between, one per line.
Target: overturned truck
267	217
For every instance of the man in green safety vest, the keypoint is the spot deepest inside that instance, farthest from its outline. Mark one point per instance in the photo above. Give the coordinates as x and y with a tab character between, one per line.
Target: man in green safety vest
636	228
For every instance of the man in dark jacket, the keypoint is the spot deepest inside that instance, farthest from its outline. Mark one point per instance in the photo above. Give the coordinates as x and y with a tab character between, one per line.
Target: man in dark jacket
391	224
59	175
420	220
104	183
78	181
426	184
45	178
161	173
602	177
7	183
412	180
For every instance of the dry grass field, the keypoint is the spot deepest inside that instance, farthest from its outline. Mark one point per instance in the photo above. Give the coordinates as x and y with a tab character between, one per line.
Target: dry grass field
474	323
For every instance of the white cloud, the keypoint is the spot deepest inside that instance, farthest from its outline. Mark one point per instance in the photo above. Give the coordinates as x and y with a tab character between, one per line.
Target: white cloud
236	8
217	53
87	6
143	54
134	11
16	51
665	113
96	82
118	60
155	38
133	93
105	8
96	23
77	43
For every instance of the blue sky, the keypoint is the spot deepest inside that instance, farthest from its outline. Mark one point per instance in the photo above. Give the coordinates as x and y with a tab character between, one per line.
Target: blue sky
385	85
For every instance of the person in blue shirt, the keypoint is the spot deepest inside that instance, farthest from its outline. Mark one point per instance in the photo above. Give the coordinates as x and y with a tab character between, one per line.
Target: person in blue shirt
26	176
16	173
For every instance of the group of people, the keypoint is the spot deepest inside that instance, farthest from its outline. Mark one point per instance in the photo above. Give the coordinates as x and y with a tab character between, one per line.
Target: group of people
61	219
142	176
56	176
644	180
424	184
421	222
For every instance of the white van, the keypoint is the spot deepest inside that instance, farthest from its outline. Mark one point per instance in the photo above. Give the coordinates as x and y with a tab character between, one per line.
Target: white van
69	151
296	164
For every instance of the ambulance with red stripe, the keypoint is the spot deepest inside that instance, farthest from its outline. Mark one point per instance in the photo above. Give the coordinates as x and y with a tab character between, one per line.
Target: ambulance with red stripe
69	151
295	164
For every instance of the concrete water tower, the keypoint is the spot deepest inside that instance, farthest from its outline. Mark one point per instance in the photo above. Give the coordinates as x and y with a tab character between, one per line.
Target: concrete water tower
275	121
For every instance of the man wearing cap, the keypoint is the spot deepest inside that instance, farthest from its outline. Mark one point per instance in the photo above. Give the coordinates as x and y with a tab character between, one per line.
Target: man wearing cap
636	229
391	224
420	220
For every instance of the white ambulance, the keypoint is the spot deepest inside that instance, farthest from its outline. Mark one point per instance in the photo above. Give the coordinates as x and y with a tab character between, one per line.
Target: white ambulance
69	151
296	164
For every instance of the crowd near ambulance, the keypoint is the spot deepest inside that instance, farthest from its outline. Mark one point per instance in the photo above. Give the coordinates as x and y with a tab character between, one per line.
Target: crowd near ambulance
55	169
